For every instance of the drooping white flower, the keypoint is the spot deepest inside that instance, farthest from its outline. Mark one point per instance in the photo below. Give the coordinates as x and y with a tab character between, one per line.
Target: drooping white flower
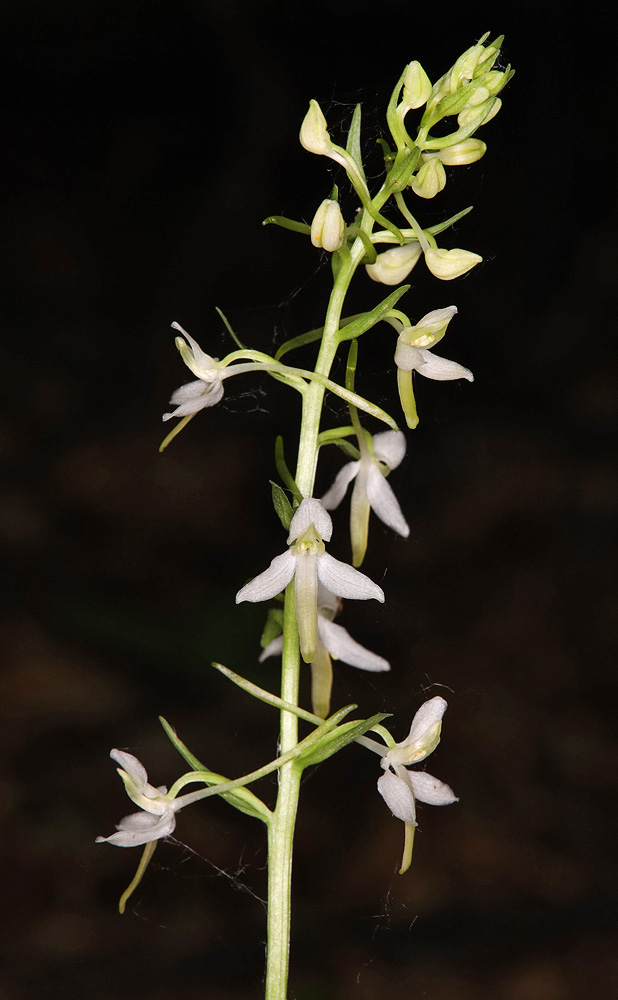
307	562
157	818
335	641
400	787
413	353
207	390
370	489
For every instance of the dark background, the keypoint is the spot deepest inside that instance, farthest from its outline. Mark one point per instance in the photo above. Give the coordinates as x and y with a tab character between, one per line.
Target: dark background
142	146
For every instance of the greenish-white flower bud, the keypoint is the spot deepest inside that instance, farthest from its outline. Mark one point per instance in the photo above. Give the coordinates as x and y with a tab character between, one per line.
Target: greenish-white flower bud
430	179
469	114
314	132
461	153
448	264
394	265
416	86
328	226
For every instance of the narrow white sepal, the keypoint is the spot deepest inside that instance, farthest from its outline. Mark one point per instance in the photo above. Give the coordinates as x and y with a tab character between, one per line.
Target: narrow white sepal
134	767
271	582
311	512
398	796
385	503
333	497
441	369
431	790
342	646
344	580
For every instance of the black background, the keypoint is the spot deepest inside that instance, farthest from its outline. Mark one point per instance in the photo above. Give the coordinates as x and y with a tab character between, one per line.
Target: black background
142	146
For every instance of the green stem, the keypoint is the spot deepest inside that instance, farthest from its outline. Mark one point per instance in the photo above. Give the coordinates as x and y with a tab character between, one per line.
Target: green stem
281	827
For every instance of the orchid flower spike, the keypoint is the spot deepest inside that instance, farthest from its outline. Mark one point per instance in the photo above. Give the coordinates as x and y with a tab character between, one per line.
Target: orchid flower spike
307	562
370	489
335	641
399	787
413	353
157	816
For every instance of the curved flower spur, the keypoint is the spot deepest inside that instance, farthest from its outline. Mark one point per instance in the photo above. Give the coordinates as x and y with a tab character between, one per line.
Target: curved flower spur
307	561
371	489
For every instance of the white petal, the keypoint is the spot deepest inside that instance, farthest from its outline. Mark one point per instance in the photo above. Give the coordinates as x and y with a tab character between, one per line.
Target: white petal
333	497
310	512
271	582
188	391
140	828
398	796
211	393
428	714
341	645
344	580
390	447
385	503
408	358
134	767
430	789
274	648
441	369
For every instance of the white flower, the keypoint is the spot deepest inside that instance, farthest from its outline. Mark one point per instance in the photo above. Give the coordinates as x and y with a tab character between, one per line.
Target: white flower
208	389
370	489
333	640
400	787
307	562
157	819
413	354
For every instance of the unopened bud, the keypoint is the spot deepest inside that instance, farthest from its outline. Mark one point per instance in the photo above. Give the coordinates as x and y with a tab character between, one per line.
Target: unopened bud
328	226
462	153
448	264
416	86
430	179
314	132
491	108
394	265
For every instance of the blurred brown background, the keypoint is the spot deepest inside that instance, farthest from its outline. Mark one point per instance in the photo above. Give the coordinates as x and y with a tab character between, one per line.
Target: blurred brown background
142	146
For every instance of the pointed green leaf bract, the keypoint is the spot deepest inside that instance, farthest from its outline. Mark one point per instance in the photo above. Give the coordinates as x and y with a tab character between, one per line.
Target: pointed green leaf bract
282	505
353	143
242	799
338	738
369	319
